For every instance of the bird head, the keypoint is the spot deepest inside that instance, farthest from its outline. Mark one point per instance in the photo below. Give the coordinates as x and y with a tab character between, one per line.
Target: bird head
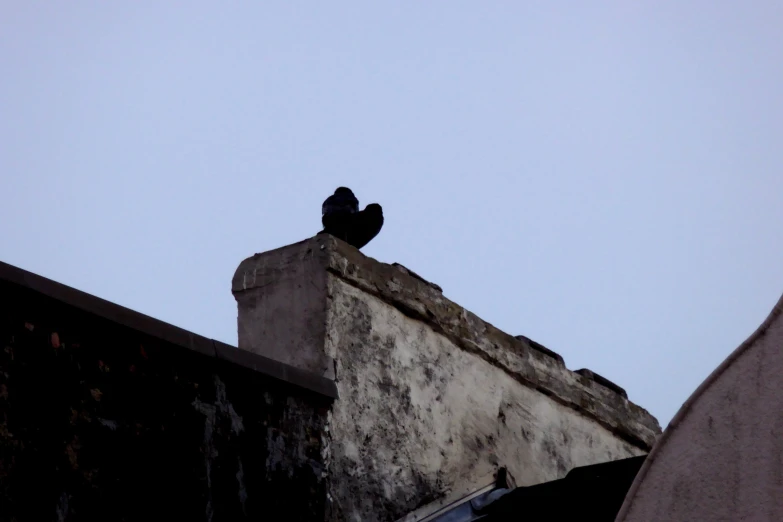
343	191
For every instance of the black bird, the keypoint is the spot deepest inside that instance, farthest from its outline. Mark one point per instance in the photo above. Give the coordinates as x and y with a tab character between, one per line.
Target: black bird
341	217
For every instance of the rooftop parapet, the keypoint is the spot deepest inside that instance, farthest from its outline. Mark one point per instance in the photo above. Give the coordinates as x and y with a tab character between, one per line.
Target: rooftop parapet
283	301
432	400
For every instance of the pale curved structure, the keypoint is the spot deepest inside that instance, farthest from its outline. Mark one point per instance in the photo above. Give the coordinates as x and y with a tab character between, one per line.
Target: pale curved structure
721	457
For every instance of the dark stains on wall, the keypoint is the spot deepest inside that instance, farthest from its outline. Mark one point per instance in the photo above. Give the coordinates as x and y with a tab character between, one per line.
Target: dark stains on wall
102	422
388	486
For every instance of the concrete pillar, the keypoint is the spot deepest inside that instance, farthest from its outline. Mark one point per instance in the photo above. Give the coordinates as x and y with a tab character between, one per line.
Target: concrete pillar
281	297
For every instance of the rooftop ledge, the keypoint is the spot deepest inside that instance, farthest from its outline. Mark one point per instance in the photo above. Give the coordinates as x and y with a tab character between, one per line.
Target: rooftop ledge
283	299
165	332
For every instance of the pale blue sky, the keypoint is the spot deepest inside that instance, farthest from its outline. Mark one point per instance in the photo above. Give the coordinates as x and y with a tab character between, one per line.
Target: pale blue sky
603	177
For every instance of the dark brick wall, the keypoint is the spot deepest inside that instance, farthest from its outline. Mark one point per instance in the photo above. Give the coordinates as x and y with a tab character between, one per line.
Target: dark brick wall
102	422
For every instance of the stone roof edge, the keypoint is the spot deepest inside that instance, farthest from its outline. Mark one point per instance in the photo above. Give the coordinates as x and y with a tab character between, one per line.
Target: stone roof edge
544	372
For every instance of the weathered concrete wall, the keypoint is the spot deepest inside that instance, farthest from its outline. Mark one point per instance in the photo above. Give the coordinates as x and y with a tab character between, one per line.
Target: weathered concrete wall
433	399
418	417
721	457
101	422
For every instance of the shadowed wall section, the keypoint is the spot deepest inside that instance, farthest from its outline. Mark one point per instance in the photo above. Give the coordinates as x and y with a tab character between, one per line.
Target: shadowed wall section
101	421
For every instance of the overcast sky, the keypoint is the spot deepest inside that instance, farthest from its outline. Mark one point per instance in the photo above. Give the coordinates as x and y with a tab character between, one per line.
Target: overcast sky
605	178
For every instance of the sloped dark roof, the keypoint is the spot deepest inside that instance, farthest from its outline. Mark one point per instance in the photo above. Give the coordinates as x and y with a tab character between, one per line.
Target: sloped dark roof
593	493
10	274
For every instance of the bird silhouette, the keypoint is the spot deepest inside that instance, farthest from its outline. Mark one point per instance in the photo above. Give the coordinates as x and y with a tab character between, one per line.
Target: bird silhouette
341	217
